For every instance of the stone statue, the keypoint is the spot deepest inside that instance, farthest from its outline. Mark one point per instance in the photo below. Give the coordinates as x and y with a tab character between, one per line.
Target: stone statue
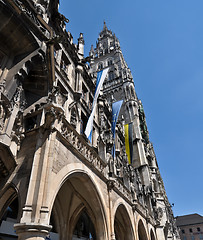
2	115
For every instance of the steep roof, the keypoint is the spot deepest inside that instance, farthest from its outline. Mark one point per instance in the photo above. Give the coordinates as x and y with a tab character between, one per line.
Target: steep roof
190	219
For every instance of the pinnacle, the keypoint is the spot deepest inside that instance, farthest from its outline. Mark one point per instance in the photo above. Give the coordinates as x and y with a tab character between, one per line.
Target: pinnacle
105	27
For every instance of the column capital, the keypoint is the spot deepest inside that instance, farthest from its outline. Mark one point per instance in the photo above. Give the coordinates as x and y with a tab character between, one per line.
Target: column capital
32	230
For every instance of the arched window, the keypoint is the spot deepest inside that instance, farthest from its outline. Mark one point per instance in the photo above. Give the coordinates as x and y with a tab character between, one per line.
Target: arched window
142	231
110	62
132	92
100	66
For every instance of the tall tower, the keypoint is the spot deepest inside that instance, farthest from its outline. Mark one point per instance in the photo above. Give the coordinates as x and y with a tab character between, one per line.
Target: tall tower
119	82
119	85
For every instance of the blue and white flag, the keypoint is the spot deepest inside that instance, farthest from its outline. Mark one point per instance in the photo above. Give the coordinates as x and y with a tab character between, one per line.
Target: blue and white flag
116	106
101	75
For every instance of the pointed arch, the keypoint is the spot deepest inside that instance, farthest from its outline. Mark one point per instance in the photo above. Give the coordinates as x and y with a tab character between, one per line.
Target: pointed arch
100	65
142	233
152	235
122	224
9	211
7	197
109	61
78	194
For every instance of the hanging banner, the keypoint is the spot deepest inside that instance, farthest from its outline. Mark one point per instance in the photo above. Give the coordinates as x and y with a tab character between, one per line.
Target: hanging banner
101	75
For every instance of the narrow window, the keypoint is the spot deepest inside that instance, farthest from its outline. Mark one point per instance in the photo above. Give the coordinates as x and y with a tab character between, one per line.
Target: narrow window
110	62
111	75
100	66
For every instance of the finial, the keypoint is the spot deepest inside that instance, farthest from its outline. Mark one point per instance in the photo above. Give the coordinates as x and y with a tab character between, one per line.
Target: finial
105	27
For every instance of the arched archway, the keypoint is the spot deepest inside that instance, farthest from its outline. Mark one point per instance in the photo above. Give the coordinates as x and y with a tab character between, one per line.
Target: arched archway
77	210
142	234
122	224
9	213
152	236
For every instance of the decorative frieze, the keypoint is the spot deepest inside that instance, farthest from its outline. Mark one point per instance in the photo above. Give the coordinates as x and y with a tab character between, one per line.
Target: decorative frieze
82	148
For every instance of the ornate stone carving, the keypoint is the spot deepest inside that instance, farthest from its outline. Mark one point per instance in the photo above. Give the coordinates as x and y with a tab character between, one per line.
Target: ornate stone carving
110	162
29	13
73	117
110	184
18	96
109	140
143	125
50	117
41	6
2	115
57	97
159	213
77	142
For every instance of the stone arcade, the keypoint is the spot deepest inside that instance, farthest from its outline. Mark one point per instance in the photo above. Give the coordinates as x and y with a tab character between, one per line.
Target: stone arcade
53	183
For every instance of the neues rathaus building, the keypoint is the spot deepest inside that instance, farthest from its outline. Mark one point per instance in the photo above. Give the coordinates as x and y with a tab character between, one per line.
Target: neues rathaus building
54	183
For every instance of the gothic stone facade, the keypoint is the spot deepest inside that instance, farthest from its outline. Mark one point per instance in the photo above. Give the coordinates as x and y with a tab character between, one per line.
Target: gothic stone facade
53	183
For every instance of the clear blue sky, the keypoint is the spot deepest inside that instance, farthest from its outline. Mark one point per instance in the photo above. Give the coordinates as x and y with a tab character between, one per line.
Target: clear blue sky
162	42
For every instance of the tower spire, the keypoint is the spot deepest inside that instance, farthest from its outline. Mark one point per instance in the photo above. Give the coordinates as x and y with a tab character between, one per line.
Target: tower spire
105	27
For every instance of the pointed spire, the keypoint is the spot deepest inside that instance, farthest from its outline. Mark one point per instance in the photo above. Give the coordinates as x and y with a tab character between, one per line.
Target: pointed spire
92	48
105	27
91	53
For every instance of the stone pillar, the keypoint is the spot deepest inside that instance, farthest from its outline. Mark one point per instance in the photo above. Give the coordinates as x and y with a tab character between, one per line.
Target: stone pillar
110	185
160	233
140	161
35	217
32	231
